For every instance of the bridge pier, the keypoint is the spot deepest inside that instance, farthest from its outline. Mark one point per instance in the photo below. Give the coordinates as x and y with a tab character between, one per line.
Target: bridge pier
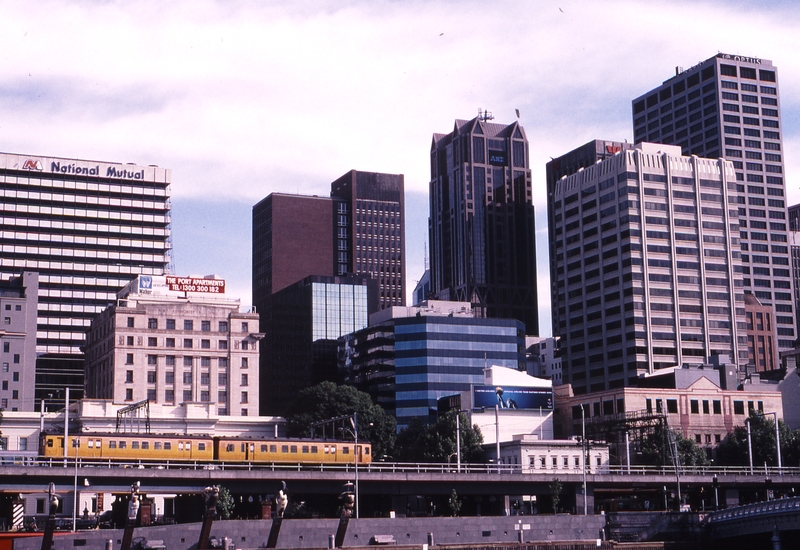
579	498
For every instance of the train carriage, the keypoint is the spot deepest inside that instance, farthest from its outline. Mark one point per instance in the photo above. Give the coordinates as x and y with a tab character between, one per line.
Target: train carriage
295	451
129	447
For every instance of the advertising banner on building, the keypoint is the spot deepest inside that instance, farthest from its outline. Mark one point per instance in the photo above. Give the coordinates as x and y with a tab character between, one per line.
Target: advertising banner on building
512	397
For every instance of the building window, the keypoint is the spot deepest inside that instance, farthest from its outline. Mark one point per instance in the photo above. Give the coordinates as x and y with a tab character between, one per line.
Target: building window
14	394
170	324
187	377
152	359
245	345
152	341
129	359
169	377
169	342
152	323
169	360
187	395
205	378
128	376
187	342
187	361
244	397
23	443
245	327
738	407
205	326
244	380
15	376
244	412
672	406
130	340
205	361
151	395
4	386
169	396
6	347
205	396
129	394
244	362
130	322
694	406
222	379
151	377
717	407
222	396
16	358
223	362
222	344
188	324
223	326
205	344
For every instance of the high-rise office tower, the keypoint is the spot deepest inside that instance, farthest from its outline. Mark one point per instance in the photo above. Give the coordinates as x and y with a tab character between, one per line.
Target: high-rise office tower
370	231
794	244
565	165
87	228
728	106
648	266
359	231
482	235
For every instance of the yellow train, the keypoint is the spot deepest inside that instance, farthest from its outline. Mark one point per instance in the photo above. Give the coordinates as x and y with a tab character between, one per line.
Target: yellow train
161	447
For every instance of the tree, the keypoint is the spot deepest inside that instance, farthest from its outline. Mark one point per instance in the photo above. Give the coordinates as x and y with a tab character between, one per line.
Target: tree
419	442
655	449
225	503
327	400
555	493
733	449
455	503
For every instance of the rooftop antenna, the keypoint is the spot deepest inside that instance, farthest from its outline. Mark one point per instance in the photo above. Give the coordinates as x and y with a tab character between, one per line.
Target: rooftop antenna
425	259
484	115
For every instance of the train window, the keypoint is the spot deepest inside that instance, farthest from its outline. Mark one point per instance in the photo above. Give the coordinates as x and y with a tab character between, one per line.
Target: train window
49	442
90	444
345	449
326	449
263	448
134	444
273	448
188	445
242	447
157	445
112	444
167	446
294	448
123	444
366	450
145	444
201	446
314	449
180	445
98	443
229	447
333	448
305	449
284	448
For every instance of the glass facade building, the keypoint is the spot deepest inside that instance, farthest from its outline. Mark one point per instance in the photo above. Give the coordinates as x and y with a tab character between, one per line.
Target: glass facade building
306	319
482	235
87	228
439	356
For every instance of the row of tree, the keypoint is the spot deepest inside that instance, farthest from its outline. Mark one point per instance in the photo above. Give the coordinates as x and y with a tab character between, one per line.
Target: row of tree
416	443
436	442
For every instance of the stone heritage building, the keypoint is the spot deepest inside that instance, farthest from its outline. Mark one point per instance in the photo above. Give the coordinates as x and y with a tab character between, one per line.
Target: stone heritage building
175	346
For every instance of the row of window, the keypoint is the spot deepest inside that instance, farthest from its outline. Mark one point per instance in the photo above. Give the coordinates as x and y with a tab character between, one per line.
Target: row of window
188	324
188	361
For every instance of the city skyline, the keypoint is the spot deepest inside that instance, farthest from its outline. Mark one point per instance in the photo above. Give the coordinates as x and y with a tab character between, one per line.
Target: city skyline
223	95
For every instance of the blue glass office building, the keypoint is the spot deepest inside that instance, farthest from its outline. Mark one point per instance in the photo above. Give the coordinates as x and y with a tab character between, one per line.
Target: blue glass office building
438	356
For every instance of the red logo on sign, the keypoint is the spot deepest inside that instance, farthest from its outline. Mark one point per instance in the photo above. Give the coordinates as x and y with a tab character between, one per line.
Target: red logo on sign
613	148
31	164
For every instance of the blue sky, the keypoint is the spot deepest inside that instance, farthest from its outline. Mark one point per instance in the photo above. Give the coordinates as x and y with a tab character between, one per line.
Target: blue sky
241	98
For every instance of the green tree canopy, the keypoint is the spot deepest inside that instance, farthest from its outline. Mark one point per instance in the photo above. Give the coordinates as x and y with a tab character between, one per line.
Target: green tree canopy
733	449
655	449
436	442
327	400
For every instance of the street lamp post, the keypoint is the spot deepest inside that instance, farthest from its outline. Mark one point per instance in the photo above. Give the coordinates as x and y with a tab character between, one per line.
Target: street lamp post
354	422
583	459
75	443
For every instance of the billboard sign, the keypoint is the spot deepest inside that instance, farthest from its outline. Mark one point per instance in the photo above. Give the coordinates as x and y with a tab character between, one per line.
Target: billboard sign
512	397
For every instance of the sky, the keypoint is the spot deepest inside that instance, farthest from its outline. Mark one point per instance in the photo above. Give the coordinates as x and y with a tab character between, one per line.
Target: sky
244	98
